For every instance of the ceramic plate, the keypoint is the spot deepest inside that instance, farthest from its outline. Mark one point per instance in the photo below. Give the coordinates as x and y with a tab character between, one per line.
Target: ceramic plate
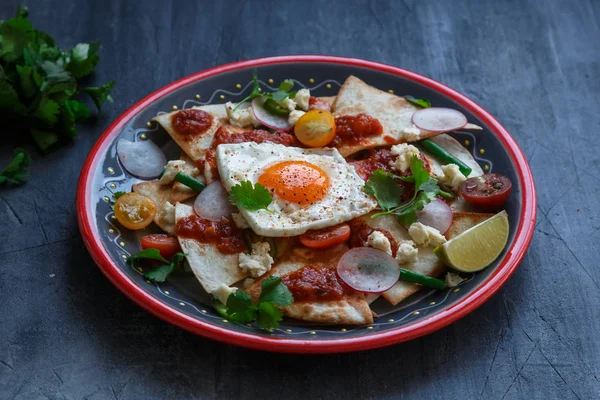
182	301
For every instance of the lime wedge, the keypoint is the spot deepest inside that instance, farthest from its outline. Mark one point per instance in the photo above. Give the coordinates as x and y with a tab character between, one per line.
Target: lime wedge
478	247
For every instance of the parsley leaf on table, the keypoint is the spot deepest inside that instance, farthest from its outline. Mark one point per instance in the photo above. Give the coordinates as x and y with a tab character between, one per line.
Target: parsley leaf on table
15	172
250	197
38	80
418	102
240	308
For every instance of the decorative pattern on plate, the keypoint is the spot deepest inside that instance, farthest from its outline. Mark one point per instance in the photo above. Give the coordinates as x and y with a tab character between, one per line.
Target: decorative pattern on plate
118	179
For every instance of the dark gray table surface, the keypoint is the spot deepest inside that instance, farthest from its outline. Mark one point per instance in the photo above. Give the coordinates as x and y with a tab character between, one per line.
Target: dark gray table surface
67	333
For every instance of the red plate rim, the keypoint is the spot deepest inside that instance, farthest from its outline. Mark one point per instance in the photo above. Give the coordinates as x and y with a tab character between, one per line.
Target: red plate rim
475	299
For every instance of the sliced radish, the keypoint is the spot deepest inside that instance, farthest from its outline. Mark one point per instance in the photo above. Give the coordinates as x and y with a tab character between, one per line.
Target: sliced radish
439	119
368	270
213	203
267	119
143	159
436	214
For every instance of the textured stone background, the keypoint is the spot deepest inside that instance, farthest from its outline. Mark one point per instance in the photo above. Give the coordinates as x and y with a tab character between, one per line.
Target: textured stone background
67	333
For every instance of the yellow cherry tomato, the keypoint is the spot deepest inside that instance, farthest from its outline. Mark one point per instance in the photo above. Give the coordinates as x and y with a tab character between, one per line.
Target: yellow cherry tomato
134	211
316	128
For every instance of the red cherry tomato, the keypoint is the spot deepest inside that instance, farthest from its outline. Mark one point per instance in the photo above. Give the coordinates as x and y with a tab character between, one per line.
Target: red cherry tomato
328	237
488	192
166	244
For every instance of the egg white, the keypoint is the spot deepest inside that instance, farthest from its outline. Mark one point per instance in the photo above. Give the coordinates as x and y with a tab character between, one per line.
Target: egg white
344	200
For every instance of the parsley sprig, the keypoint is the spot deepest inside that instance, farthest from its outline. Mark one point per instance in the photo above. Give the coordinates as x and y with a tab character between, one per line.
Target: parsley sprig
38	81
383	185
16	172
266	312
252	198
283	92
161	273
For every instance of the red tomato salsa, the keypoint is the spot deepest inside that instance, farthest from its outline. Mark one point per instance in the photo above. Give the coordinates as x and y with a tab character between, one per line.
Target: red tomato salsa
311	283
360	231
226	236
191	122
352	129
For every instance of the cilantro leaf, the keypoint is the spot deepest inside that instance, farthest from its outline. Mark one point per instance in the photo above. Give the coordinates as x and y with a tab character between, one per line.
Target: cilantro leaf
22	12
15	172
100	94
116	195
47	111
274	291
26	80
255	90
71	112
268	315
159	274
82	59
418	102
9	99
44	139
384	187
286	85
148	254
240	307
250	197
15	34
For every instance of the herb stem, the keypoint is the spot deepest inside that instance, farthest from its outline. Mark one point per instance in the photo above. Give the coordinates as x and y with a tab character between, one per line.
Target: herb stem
189	182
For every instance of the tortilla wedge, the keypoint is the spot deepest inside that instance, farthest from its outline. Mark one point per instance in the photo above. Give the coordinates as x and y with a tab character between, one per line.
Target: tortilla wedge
350	310
210	266
453	147
196	147
393	112
427	262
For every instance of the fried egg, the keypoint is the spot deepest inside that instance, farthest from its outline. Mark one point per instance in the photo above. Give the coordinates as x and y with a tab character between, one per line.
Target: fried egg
311	188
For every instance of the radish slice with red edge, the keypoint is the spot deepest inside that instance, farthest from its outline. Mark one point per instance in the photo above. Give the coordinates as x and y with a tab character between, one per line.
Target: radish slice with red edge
142	159
272	121
368	270
439	119
436	214
213	203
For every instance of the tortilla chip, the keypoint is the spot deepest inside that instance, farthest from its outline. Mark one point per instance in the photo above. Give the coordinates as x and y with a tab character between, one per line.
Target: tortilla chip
159	194
211	267
453	147
196	146
393	112
352	309
181	192
427	262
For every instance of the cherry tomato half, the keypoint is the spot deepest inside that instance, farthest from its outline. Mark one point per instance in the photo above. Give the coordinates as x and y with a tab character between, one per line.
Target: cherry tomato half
134	211
166	244
488	192
328	237
316	128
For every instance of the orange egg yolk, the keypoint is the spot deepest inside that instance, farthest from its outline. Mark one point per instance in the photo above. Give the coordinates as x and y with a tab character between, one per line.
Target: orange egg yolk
297	182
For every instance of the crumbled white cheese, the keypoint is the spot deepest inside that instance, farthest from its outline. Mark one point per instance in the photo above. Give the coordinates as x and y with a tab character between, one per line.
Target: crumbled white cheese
411	134
166	216
259	261
173	167
295	116
404	153
452	178
222	293
407	253
379	241
288	104
425	236
241	117
239	221
453	279
302	99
